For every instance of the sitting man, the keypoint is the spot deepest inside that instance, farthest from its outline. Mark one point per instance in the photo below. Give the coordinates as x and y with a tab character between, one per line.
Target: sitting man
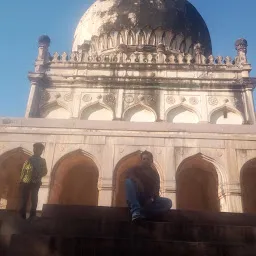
32	172
142	186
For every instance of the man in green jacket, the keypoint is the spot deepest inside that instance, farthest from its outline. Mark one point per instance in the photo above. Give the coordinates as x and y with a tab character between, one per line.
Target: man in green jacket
30	180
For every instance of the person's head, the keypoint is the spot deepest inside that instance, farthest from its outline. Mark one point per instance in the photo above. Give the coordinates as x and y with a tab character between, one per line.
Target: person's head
38	149
146	158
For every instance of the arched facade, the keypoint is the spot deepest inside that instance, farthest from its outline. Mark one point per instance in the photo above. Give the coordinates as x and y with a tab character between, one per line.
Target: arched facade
74	180
182	114
55	110
248	186
140	113
197	184
133	159
226	115
97	112
11	164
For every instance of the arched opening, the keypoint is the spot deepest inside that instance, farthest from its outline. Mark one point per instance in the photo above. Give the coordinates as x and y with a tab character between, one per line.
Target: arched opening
127	162
197	185
97	112
10	168
139	113
130	38
225	116
75	181
110	42
55	111
248	186
141	38
120	39
152	39
183	115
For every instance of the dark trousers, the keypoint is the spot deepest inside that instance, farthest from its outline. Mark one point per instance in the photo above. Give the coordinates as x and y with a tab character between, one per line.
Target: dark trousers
26	190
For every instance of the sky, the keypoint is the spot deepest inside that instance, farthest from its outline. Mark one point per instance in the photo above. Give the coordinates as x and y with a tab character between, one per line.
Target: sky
22	22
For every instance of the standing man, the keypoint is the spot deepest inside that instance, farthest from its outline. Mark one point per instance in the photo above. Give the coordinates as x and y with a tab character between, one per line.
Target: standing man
32	172
142	190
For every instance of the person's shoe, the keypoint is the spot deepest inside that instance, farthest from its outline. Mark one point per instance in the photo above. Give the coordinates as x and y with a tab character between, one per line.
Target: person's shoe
137	217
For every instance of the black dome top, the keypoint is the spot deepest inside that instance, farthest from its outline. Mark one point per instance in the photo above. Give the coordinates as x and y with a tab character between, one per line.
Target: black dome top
178	16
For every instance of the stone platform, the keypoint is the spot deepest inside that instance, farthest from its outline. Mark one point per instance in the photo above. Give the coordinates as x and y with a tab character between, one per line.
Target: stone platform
80	230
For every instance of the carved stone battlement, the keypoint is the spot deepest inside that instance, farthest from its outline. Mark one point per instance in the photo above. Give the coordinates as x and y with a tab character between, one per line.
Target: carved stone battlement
152	58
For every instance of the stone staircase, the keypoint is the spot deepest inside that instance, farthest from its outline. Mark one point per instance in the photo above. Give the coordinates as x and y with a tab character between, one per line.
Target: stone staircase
80	230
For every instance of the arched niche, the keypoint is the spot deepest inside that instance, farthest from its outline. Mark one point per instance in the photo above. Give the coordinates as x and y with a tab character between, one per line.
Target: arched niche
140	113
54	111
127	162
248	186
182	114
225	115
197	185
97	112
74	180
11	164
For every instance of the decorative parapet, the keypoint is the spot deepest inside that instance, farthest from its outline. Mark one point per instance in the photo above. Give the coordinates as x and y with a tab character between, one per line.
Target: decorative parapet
121	56
151	58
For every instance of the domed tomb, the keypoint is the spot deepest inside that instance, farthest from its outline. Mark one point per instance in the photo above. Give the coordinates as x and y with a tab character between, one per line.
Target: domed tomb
141	25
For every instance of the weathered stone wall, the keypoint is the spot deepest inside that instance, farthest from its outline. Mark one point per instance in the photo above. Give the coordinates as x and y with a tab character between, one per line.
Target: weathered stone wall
176	147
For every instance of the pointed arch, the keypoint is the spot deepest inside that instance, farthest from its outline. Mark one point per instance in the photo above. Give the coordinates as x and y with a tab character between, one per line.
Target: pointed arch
110	42
141	38
101	43
177	42
183	46
55	110
125	163
11	163
182	114
248	186
199	177
74	180
152	39
97	111
140	113
159	32
130	38
188	44
226	115
120	39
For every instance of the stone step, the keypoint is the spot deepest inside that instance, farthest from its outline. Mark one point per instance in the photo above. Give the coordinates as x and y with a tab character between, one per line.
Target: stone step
4	244
79	246
122	214
170	231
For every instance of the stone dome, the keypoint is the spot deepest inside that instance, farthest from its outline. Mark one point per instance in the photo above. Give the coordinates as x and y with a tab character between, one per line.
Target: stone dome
174	23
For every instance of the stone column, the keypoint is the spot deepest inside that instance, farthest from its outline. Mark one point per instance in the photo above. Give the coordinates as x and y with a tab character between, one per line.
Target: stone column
161	105
250	105
119	104
170	171
105	193
106	181
45	188
231	199
76	105
204	108
33	100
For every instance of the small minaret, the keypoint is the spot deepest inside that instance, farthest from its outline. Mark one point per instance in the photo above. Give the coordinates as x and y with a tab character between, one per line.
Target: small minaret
43	53
36	77
241	47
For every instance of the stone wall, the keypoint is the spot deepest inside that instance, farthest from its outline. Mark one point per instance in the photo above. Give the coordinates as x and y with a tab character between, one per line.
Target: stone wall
110	147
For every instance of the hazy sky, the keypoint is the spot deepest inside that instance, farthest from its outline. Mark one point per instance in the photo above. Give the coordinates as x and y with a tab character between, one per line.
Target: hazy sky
22	22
